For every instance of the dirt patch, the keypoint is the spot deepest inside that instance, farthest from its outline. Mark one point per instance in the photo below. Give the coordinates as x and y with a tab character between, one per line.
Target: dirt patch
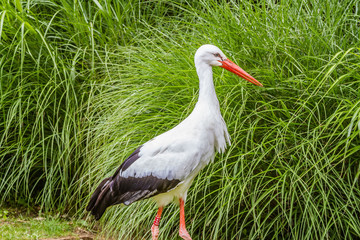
79	237
81	234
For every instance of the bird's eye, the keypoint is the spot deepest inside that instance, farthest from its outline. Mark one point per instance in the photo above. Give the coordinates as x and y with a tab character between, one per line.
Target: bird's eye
217	54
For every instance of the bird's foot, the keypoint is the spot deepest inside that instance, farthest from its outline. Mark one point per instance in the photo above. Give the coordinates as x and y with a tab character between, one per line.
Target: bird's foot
155	232
184	234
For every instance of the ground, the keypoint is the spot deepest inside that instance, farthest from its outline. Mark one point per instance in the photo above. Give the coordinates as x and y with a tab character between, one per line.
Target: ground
21	224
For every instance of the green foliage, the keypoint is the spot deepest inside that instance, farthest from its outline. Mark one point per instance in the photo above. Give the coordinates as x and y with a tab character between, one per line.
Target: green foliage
83	83
4	214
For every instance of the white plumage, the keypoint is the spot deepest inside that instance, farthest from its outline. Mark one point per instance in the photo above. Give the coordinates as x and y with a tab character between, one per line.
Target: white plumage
164	167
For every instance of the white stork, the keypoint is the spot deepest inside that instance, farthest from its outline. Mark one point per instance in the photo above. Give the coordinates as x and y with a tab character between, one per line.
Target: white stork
164	167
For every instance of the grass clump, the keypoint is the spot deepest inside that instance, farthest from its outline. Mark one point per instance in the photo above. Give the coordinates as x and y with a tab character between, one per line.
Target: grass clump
84	83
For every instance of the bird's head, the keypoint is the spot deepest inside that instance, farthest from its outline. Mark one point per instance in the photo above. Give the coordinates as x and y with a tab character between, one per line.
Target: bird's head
213	56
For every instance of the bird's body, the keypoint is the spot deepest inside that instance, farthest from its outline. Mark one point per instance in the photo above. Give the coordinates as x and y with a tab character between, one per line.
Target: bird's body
164	167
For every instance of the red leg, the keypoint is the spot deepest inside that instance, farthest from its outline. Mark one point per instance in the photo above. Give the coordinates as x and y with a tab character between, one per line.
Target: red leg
155	226
182	232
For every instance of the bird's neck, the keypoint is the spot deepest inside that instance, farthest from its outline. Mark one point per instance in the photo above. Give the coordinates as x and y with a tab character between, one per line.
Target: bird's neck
207	94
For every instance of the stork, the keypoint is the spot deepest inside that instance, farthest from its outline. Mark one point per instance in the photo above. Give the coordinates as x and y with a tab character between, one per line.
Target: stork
164	167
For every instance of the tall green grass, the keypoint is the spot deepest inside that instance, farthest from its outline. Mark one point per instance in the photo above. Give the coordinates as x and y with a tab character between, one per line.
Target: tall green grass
84	83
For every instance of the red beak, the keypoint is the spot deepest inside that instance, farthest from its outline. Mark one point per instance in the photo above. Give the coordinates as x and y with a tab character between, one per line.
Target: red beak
232	67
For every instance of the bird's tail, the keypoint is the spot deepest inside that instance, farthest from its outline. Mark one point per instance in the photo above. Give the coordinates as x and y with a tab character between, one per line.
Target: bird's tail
101	199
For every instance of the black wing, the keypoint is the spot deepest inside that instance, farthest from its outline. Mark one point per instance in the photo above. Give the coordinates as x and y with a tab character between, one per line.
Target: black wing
117	189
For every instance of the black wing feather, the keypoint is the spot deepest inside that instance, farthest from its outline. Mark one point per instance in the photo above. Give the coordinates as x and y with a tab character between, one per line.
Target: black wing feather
117	189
